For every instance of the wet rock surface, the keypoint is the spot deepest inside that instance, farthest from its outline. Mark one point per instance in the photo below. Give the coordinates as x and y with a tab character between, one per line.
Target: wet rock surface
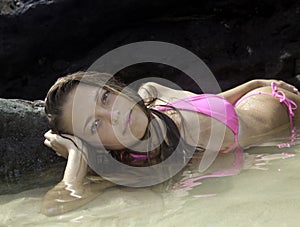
24	159
41	40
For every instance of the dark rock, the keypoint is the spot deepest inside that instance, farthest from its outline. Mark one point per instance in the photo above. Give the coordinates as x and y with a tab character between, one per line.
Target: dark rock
36	35
60	65
23	154
239	40
41	40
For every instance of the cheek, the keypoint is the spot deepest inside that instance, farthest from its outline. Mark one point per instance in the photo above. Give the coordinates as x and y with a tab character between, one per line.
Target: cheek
108	137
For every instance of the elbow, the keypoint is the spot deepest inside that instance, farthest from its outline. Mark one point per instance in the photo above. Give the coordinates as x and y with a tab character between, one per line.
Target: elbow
51	209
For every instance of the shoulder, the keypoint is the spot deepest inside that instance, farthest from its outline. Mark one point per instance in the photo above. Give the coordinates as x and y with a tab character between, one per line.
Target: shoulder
152	90
148	91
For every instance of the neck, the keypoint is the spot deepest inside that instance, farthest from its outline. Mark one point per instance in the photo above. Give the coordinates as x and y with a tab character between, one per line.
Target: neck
154	136
161	140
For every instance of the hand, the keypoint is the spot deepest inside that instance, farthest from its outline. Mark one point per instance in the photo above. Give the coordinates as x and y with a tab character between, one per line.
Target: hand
262	161
62	144
280	83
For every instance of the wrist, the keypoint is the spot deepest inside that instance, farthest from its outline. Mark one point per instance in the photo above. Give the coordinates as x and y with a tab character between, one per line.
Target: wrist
256	83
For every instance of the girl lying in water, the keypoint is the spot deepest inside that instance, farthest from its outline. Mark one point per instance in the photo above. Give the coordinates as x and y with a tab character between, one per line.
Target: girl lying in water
90	114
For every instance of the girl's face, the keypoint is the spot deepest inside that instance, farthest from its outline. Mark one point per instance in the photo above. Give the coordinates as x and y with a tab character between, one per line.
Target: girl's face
104	118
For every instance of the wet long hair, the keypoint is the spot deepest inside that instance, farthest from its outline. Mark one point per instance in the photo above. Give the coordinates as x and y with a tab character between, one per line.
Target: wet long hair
57	97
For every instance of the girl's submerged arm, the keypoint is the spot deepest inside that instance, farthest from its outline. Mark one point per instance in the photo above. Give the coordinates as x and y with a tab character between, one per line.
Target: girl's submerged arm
75	189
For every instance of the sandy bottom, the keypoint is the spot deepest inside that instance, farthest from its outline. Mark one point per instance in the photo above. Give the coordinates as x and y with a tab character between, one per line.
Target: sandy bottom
266	196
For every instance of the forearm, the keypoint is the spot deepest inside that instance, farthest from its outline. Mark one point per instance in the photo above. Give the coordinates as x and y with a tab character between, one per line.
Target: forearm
63	198
74	190
76	168
234	94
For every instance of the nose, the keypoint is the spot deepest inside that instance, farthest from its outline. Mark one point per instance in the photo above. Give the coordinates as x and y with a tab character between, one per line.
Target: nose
110	115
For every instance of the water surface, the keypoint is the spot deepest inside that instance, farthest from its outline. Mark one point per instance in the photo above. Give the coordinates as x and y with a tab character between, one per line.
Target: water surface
265	196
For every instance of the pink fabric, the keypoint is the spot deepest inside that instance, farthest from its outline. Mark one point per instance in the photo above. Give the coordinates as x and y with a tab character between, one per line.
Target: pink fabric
216	107
211	105
291	106
219	108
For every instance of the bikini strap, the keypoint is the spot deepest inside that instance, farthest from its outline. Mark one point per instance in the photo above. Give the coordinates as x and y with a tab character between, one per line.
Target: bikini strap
211	105
291	105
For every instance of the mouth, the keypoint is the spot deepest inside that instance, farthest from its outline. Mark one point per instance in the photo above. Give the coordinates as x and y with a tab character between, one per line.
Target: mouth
127	122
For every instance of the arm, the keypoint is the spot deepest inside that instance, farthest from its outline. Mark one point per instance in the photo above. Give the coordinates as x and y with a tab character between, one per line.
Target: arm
75	189
234	94
150	91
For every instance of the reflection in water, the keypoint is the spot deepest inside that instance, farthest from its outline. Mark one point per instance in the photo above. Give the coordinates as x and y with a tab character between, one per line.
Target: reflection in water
263	198
234	169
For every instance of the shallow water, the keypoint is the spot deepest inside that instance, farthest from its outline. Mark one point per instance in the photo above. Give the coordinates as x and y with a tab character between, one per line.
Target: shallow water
266	196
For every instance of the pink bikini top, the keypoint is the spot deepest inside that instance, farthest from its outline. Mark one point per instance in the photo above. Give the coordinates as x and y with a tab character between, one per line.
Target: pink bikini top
211	105
214	106
221	109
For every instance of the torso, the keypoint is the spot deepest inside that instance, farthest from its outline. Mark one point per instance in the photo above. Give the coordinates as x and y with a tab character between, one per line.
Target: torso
194	133
255	128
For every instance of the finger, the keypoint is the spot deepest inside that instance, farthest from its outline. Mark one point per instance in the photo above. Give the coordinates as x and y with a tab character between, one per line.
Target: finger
74	139
288	87
291	88
54	137
260	164
47	143
47	134
50	144
259	156
50	134
259	168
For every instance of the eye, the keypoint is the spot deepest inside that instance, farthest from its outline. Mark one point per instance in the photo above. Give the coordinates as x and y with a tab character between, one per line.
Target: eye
104	98
95	125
